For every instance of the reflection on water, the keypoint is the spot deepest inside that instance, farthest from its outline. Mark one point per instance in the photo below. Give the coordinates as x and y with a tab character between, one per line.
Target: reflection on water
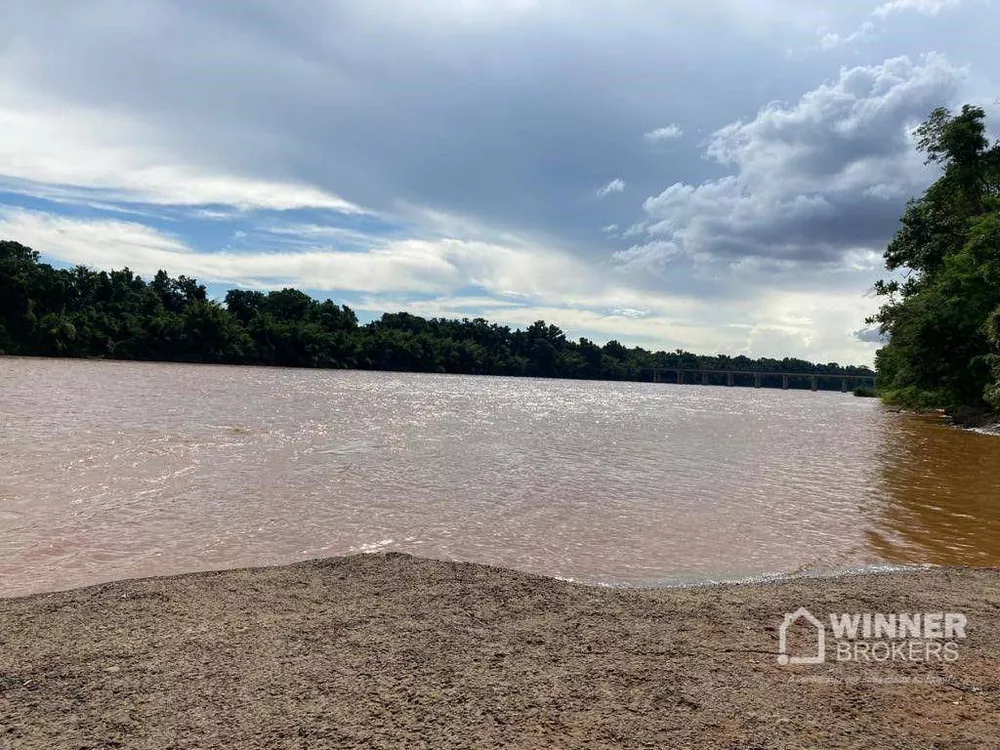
112	469
938	496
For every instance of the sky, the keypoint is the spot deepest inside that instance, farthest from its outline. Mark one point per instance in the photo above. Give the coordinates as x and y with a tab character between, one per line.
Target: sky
720	176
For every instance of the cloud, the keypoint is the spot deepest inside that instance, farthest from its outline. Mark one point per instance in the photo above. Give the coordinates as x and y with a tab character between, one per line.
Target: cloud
311	235
924	7
665	133
609	228
63	153
830	40
630	312
103	243
869	336
502	113
484	110
617	185
647	254
804	174
411	266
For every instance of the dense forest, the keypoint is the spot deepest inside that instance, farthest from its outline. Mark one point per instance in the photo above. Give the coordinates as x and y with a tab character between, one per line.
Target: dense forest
81	312
942	309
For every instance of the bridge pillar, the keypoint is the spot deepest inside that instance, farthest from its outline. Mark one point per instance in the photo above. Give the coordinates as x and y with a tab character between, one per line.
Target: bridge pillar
784	382
729	379
756	380
680	376
704	378
815	383
843	385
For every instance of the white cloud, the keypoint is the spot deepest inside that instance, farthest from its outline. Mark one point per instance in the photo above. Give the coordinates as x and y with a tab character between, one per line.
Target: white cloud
830	40
804	174
448	224
103	243
647	254
924	7
814	325
863	259
665	133
617	185
313	234
884	192
609	228
406	265
630	312
67	153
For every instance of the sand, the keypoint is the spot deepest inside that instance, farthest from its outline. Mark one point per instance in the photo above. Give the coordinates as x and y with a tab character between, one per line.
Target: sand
392	651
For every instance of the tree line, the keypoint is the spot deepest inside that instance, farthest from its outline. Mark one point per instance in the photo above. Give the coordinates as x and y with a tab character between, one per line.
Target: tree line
81	312
942	308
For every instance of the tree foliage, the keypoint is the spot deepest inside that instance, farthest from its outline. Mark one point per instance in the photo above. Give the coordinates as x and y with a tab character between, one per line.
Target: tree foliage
84	313
942	318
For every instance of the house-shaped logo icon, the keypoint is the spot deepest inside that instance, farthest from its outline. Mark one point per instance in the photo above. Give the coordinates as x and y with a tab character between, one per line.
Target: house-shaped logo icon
791	619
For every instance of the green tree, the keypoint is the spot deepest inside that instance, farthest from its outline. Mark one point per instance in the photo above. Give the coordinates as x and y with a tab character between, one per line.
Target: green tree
211	334
93	313
942	349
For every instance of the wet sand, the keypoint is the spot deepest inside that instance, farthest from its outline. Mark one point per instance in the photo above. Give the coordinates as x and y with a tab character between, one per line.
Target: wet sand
392	651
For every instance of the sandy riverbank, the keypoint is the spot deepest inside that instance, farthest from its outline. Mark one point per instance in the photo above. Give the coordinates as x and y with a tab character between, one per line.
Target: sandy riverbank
391	651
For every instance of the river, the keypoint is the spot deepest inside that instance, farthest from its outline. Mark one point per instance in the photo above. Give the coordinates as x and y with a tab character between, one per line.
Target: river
119	469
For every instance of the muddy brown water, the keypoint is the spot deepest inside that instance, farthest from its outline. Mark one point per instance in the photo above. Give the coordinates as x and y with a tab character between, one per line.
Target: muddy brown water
116	469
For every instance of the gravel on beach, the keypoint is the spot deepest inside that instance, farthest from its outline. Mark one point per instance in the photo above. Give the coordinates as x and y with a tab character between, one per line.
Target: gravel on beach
393	651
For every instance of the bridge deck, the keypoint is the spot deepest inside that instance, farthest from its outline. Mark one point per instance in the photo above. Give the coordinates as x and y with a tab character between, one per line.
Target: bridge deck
758	376
762	373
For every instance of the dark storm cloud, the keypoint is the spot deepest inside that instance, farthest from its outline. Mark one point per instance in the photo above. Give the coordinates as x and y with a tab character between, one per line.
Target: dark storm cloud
511	113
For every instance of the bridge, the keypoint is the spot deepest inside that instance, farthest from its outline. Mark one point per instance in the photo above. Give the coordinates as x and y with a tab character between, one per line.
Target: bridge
745	377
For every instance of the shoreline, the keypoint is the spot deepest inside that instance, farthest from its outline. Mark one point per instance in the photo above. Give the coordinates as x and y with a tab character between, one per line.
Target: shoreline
390	650
686	581
697	581
985	424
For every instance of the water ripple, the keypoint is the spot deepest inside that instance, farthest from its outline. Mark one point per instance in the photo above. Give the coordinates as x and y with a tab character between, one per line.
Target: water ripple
112	469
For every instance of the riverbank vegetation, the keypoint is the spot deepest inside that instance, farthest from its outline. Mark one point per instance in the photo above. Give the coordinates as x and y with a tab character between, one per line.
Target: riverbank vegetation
81	312
942	309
